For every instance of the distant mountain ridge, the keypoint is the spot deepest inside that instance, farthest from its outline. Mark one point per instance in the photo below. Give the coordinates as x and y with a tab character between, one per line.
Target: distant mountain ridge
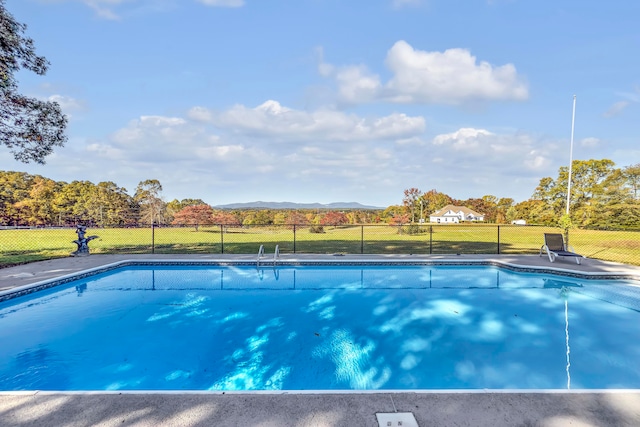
291	205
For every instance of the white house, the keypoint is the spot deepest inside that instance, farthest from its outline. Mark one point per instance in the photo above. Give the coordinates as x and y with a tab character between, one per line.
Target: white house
451	214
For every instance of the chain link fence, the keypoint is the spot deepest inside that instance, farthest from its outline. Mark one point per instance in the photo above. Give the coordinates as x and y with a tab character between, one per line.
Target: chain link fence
18	245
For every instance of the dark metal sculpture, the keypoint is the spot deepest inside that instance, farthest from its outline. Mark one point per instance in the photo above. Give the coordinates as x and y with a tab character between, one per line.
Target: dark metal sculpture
82	242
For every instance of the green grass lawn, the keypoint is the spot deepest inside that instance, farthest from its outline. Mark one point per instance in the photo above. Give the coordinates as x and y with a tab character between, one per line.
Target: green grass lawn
18	246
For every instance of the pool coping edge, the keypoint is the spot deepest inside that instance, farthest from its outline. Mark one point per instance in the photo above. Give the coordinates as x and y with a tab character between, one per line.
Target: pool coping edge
23	290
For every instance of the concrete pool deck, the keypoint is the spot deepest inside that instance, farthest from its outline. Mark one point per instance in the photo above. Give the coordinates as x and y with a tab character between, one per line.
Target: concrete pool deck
448	408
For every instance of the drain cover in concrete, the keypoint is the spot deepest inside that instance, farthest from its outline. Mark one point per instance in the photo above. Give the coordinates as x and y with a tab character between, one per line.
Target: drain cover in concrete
396	419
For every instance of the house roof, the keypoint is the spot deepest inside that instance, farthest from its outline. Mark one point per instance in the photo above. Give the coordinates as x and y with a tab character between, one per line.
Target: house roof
466	211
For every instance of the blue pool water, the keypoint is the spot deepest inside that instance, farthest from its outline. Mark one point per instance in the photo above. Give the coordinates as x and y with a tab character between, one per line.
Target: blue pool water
322	328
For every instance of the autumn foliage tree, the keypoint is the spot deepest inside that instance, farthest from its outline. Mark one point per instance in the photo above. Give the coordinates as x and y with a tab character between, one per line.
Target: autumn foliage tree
296	218
334	218
225	219
176	205
433	200
411	201
486	206
194	215
398	220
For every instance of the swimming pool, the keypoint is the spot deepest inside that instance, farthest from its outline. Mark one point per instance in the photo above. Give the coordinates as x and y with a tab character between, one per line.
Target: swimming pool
322	328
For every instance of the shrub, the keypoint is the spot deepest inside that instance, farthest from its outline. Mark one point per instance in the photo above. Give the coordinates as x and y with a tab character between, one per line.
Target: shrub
412	229
316	229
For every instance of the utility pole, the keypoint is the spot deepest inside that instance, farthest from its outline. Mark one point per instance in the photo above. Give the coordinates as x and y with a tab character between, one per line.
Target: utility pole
573	120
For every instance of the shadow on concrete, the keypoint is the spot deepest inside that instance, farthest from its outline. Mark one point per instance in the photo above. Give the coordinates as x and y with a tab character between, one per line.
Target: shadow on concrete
283	410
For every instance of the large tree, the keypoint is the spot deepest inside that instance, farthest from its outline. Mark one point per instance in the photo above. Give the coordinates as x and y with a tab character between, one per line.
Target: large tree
432	201
226	220
195	215
485	206
296	218
334	218
111	205
149	197
38	207
410	201
176	205
632	176
601	195
29	127
502	207
73	203
14	187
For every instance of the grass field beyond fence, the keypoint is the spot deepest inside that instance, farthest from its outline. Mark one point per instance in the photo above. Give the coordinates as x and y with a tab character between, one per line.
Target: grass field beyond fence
25	245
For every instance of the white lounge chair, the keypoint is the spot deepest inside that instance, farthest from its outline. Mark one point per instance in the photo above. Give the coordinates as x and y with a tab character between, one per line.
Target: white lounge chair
555	247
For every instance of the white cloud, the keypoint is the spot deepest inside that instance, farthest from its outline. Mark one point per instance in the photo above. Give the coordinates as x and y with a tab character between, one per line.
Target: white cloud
103	12
632	96
616	109
357	85
629	98
590	142
273	120
200	114
449	77
324	69
181	153
68	104
462	138
488	152
472	162
420	77
104	8
412	141
108	9
222	3
151	139
272	152
217	156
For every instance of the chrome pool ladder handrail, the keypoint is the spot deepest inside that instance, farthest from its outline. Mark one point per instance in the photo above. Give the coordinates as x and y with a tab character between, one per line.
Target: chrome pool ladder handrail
276	255
260	254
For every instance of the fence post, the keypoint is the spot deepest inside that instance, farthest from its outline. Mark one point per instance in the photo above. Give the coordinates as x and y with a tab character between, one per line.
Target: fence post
221	238
361	239
294	238
498	240
430	239
153	238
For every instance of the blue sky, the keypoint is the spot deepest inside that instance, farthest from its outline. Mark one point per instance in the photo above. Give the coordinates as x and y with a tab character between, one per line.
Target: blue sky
329	100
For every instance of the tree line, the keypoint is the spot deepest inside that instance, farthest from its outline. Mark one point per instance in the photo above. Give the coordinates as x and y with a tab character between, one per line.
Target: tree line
602	196
34	200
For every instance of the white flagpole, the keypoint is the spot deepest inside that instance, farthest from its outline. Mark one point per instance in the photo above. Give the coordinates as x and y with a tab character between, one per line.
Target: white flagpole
573	121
